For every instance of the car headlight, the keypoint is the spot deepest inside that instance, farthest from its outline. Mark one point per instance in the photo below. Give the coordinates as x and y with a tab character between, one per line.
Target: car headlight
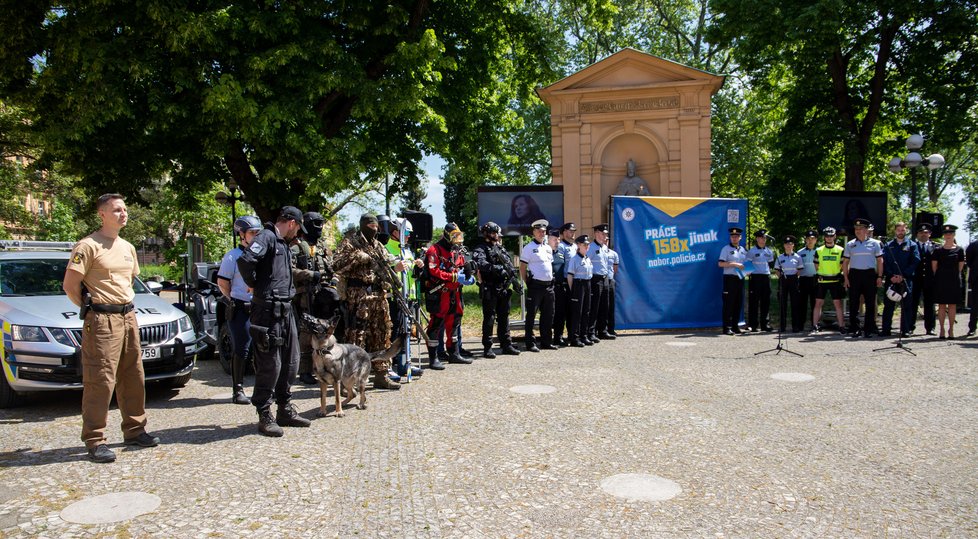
186	324
61	335
28	333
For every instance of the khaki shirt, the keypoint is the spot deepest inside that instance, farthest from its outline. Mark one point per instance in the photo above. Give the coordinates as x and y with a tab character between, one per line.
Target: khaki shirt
108	266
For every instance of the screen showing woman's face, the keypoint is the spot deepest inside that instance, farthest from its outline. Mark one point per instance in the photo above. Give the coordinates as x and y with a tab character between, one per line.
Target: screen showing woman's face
520	207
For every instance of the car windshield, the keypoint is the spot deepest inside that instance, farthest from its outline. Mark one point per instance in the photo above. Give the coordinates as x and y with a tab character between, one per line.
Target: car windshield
39	277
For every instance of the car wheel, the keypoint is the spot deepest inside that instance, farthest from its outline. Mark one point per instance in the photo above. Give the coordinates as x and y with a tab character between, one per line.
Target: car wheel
225	350
178	381
8	397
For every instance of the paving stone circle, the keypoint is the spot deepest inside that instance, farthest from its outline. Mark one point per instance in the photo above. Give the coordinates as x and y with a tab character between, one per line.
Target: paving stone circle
533	389
641	487
113	507
792	377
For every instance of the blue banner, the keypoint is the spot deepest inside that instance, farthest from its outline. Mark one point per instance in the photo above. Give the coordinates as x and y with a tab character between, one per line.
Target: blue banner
668	275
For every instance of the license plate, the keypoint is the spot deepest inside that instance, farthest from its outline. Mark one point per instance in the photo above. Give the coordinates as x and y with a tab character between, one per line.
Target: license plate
150	354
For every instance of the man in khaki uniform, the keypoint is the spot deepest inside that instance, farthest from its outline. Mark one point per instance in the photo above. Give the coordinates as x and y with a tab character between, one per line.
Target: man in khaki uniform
106	265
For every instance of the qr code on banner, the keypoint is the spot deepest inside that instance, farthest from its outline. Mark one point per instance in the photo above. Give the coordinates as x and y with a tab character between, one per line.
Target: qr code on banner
733	216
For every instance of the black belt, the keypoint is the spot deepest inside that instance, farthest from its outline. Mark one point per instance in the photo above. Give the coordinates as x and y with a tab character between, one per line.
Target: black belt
241	304
113	308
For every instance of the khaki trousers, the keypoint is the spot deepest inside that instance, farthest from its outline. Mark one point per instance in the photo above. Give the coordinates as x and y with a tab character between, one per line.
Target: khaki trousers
111	361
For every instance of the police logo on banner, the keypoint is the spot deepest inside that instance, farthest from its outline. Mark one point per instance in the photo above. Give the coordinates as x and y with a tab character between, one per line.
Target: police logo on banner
627	214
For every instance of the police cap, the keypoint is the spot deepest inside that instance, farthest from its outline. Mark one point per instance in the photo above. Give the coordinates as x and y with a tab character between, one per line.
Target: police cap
760	232
734	230
811	233
924	227
568	226
789	239
949	229
583	238
862	222
541	224
603	227
554	232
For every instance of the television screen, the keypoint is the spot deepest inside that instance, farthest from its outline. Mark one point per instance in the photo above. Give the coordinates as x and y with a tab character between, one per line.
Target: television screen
515	208
838	209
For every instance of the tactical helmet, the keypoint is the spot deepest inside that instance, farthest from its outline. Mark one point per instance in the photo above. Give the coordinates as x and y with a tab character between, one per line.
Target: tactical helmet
490	228
313	220
452	234
384	223
246	223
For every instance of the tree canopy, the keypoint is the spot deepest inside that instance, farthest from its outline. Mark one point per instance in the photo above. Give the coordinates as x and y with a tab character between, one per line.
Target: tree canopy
291	99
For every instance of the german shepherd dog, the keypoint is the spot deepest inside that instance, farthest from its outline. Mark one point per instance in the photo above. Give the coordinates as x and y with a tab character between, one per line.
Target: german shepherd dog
344	366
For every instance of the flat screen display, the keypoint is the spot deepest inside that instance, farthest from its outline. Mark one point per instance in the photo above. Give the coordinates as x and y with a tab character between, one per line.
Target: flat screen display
838	209
515	208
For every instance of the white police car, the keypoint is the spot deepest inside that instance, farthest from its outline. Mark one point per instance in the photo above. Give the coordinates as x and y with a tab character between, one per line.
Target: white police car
41	346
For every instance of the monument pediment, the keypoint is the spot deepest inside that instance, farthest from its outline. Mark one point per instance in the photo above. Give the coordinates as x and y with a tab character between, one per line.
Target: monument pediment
631	69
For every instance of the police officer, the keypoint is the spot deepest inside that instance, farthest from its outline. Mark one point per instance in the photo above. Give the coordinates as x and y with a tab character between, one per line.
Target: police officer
828	274
496	278
579	271
789	265
405	265
759	286
314	292
598	253
364	293
923	281
266	267
536	270
732	259
110	353
900	259
807	283
862	274
971	259
560	277
613	260
238	296
565	249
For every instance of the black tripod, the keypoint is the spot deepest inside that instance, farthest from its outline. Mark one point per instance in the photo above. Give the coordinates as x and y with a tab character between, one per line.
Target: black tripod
899	343
782	308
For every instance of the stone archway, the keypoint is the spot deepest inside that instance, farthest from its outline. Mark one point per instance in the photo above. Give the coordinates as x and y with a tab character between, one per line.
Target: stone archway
636	106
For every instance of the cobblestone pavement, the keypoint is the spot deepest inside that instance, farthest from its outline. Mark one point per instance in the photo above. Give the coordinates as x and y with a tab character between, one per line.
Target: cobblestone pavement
878	444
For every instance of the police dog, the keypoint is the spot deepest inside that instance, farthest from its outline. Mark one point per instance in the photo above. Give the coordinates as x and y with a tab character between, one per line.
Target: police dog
344	366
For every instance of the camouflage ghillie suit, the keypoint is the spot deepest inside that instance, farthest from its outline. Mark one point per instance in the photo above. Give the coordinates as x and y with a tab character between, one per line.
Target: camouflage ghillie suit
310	290
364	293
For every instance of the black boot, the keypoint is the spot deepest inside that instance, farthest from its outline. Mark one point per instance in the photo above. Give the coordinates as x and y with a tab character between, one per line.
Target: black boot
267	425
488	353
433	361
455	357
237	381
287	416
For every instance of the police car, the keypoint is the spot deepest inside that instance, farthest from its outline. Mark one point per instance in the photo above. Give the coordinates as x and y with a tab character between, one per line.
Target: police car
41	346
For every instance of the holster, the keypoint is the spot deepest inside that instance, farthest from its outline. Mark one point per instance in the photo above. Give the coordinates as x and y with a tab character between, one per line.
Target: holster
266	338
85	306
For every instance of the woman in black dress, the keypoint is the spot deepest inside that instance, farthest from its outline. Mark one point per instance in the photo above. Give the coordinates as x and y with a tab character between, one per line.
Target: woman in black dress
947	263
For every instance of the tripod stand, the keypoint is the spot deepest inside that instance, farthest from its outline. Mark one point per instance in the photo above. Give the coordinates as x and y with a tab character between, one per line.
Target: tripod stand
899	344
782	309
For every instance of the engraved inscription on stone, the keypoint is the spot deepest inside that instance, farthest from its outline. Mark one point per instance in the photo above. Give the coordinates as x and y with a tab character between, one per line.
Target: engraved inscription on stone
654	103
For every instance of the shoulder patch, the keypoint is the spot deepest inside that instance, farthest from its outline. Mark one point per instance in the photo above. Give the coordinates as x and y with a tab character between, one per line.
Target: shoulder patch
256	248
76	259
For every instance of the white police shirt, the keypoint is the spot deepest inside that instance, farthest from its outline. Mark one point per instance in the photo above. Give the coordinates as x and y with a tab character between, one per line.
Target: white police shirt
539	259
761	257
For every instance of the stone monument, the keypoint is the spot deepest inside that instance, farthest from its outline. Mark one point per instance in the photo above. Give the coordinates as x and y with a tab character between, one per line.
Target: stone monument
632	185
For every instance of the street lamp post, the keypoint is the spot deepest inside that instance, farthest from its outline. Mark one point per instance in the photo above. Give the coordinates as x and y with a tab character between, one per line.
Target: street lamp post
913	161
231	198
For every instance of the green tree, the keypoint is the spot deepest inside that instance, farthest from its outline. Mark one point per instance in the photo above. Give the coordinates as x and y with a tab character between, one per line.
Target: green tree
843	68
291	99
